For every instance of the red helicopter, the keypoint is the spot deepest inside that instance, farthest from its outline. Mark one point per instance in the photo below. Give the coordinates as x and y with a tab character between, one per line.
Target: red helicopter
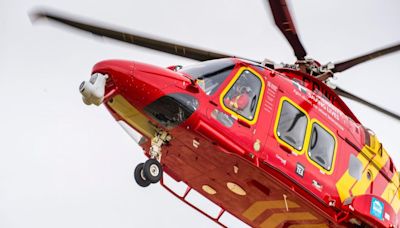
272	144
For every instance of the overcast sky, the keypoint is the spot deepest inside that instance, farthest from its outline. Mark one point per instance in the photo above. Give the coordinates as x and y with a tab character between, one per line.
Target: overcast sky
65	164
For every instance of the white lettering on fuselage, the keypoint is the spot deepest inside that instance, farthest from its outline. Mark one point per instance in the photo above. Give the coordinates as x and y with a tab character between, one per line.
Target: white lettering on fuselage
270	96
323	106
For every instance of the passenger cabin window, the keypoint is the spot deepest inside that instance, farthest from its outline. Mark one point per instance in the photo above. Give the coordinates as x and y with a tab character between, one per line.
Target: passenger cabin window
292	125
210	74
322	147
242	98
355	167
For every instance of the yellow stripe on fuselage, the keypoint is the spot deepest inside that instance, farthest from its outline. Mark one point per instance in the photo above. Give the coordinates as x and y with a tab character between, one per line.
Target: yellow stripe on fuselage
378	161
131	115
346	182
368	176
373	159
396	202
389	194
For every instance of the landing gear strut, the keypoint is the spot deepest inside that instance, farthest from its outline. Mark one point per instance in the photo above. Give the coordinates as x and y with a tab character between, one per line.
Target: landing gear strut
151	171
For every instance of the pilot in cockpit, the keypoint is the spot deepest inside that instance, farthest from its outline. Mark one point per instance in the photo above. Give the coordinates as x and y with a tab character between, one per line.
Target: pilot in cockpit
238	98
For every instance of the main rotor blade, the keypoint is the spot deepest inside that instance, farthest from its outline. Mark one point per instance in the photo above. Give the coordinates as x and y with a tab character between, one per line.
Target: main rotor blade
284	22
344	65
353	97
132	38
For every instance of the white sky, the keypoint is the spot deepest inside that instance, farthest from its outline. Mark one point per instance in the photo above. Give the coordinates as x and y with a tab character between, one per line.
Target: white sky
64	164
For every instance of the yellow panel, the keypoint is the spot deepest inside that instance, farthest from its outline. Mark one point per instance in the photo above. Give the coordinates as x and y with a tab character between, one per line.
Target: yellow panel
391	189
131	115
370	154
363	184
396	202
346	181
344	184
278	218
389	192
376	151
396	179
259	207
373	142
381	161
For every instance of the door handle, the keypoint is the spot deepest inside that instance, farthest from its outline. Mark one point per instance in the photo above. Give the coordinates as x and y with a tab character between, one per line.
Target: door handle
244	123
285	148
213	103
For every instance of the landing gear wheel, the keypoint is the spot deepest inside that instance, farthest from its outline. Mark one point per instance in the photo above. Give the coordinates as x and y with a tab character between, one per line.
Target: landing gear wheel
140	177
152	170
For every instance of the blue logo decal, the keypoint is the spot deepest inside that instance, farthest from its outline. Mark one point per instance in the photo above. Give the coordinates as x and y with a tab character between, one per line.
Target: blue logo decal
377	208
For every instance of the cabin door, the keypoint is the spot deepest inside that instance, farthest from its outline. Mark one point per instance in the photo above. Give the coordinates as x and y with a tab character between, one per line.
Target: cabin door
237	108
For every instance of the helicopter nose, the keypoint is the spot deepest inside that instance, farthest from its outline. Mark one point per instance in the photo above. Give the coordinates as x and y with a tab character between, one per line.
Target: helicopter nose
101	84
120	71
137	92
139	83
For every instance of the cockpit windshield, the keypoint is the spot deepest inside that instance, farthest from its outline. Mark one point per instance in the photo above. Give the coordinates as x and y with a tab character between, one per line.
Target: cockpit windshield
210	74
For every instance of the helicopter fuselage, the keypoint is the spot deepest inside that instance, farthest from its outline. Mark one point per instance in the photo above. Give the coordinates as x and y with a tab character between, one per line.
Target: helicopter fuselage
296	156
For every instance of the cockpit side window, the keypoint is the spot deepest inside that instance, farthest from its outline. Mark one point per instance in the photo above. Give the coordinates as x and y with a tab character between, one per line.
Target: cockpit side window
322	146
242	97
210	74
292	125
173	109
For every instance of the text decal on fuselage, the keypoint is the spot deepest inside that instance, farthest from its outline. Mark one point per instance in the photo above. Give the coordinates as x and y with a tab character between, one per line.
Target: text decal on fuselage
317	102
